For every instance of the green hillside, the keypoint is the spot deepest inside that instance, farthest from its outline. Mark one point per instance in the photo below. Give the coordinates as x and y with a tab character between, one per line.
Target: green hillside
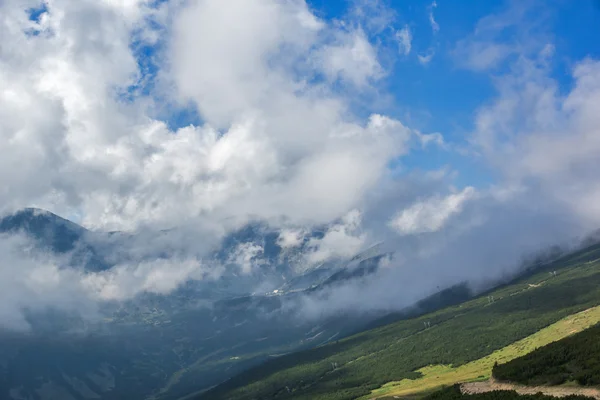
575	359
434	376
357	365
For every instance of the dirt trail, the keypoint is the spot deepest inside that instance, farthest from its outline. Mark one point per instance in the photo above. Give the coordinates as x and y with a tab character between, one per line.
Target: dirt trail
556	391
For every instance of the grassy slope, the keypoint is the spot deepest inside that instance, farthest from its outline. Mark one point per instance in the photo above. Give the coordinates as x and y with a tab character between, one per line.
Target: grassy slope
435	376
458	335
572	361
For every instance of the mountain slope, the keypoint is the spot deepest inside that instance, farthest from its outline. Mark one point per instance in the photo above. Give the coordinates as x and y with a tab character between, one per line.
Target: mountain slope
358	364
572	359
160	345
434	376
56	235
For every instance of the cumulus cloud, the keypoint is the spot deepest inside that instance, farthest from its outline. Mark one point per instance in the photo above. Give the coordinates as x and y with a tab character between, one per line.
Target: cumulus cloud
351	59
487	241
267	93
543	139
278	140
342	240
537	138
430	215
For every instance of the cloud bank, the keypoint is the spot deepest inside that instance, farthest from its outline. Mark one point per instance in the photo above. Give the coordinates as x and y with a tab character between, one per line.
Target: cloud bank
279	139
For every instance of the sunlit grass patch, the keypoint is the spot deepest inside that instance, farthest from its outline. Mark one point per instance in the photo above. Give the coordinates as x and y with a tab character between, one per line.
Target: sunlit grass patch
435	376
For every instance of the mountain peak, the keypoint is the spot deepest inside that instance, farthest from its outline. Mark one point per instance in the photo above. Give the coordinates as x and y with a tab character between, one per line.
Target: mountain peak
59	233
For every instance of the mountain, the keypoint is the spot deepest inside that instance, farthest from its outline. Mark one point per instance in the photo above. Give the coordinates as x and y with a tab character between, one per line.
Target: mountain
56	235
49	230
242	336
164	346
457	342
279	269
572	359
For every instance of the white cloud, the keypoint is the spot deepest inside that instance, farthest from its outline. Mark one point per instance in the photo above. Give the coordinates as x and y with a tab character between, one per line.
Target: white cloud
432	214
34	281
435	27
374	15
342	240
291	238
483	56
351	59
247	256
431	138
425	59
267	92
499	38
536	136
228	71
124	282
279	140
404	38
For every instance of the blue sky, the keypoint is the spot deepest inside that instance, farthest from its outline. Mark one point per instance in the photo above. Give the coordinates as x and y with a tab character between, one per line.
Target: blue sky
571	25
441	96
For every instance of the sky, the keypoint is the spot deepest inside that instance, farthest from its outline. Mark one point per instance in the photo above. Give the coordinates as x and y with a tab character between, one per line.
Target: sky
451	131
